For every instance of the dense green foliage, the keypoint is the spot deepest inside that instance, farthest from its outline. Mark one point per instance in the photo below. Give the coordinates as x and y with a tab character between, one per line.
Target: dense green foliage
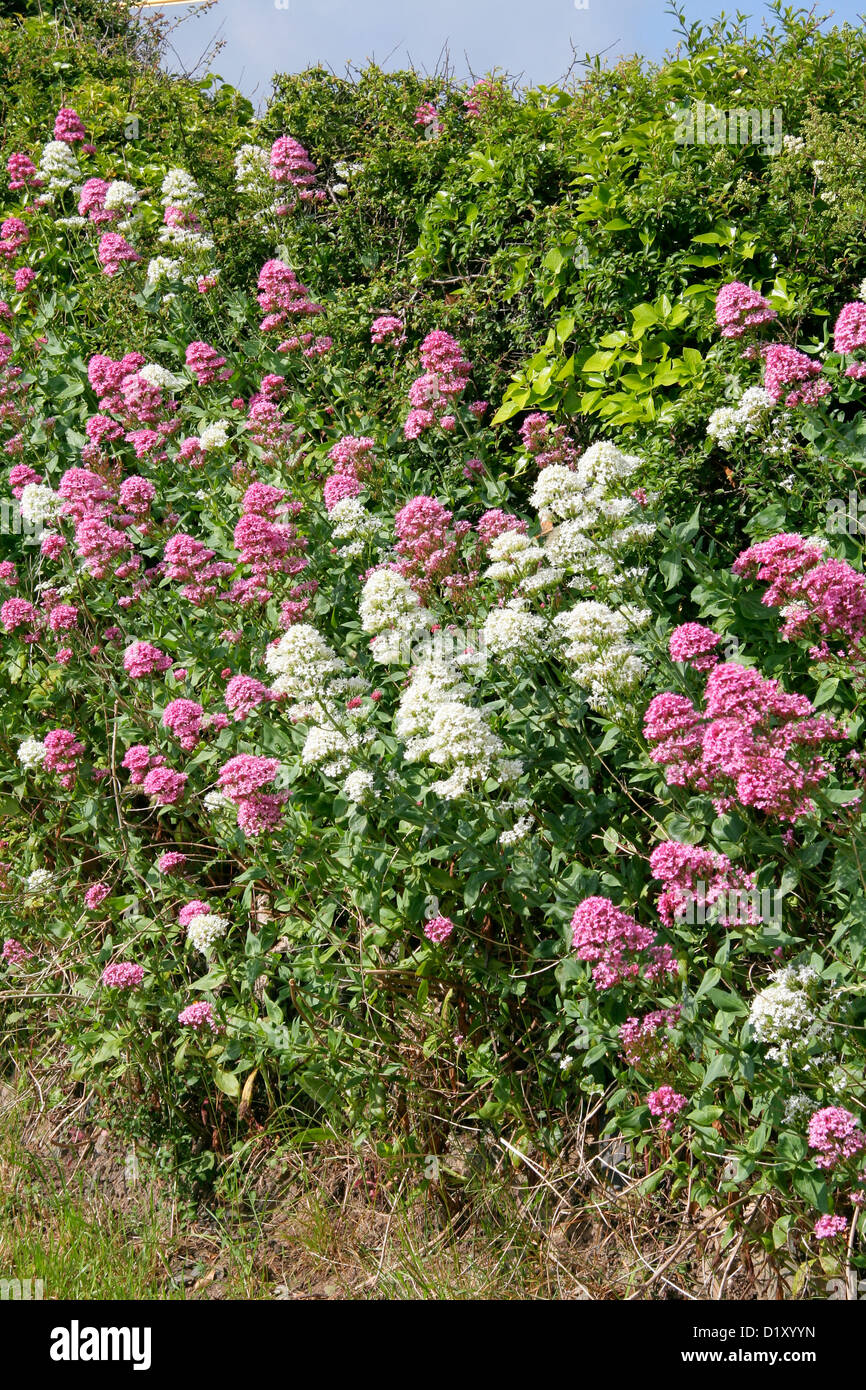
574	247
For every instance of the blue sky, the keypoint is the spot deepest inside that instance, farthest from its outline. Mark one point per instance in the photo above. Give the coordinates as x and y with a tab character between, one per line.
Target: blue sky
530	38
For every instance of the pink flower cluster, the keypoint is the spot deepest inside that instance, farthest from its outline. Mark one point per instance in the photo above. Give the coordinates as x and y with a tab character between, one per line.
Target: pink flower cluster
244	694
184	719
834	1132
291	167
194	908
617	946
495	523
783	367
267	542
387	328
135	497
426	114
62	751
163	785
754	744
107	376
138	759
338	486
96	895
91	202
143	659
667	1103
428	546
19	612
438	929
68	126
282	296
192	564
642	1045
14	953
199	1015
114	251
352	457
171	862
143	403
22	173
694	645
826	1227
124	974
482	94
206	364
433	395
814	592
548	443
849	334
267	425
307	345
241	780
13	235
693	875
19	477
739	307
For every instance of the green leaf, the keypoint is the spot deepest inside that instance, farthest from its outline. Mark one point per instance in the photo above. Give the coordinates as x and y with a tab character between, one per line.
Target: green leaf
705	1115
826	690
712	977
227	1082
719	1066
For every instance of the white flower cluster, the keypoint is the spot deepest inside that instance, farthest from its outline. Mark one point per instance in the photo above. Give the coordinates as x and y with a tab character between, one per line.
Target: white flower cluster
726	424
253	179
345	173
783	1014
162	270
185	239
861	293
31	753
159	376
358	786
333	749
798	1108
594	639
304	666
310	673
460	742
58	168
596	522
216	801
252	169
793	144
180	190
441	729
215	435
519	831
435	681
512	633
393	616
513	556
39	881
38	503
352	526
205	929
121	196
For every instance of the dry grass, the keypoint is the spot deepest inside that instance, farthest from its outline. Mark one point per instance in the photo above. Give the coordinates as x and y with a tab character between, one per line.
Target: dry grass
88	1215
